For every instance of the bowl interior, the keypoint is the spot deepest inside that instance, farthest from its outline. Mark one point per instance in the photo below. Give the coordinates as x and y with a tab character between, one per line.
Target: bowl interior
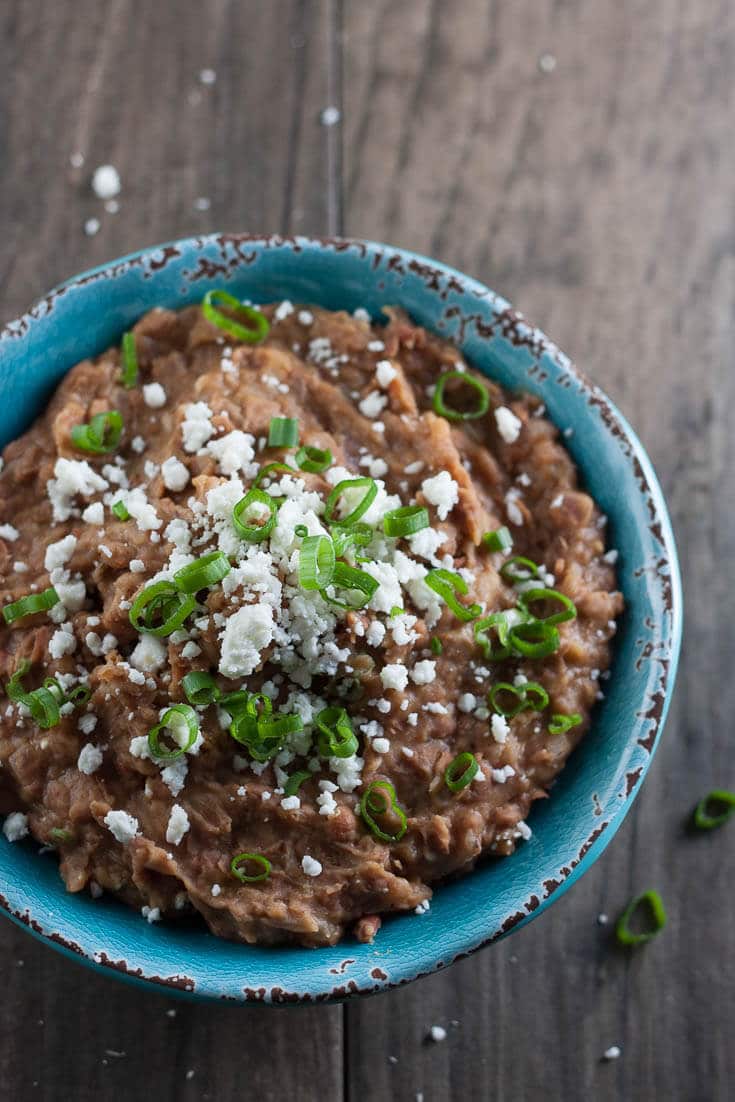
594	791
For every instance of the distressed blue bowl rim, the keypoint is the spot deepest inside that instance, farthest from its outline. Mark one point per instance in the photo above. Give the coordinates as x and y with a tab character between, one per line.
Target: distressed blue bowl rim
568	837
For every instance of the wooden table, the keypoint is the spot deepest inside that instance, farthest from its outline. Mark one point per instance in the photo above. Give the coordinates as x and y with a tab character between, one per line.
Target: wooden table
578	156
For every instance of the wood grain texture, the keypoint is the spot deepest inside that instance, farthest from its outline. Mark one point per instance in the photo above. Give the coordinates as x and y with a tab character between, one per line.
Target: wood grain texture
119	83
598	198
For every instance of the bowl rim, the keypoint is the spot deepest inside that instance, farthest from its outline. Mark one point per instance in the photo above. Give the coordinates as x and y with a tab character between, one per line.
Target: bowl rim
515	328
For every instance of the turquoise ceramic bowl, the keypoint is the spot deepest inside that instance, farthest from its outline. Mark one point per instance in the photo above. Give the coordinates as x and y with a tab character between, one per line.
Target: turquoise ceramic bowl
595	791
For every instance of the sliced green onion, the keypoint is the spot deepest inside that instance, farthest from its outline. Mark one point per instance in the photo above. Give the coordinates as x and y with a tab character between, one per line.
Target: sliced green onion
160	608
461	772
528	695
483	629
313	460
354	580
499	540
14	689
447	584
61	836
55	689
534	639
271	469
204	572
283	432
336	738
120	510
356	535
101	435
650	902
294	782
706	817
32	602
301	531
80	694
561	723
200	688
530	596
44	707
254	500
256	325
379	798
129	376
436	645
371	492
234	703
256	859
481	396
396	611
278	727
406	520
518	569
316	562
178	720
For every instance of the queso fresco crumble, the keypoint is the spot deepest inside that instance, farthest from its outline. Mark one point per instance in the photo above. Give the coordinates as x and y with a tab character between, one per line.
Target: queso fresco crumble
300	615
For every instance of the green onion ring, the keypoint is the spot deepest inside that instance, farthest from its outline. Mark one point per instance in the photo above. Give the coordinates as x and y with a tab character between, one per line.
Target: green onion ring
529	596
651	902
529	569
497	622
371	492
181	716
460	772
270	469
523	694
101	435
377	799
499	540
283	432
313	460
254	533
336	738
534	639
437	647
120	510
446	583
257	859
204	572
406	521
161	599
356	581
316	562
451	414
31	603
703	819
257	325
345	538
560	723
200	688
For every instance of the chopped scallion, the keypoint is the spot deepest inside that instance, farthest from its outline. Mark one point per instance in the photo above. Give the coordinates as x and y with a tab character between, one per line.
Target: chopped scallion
256	325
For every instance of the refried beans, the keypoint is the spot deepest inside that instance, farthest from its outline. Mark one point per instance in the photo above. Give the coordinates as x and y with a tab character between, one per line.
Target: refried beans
300	615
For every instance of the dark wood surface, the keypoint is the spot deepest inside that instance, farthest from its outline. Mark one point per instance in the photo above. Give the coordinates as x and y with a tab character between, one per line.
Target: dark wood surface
598	194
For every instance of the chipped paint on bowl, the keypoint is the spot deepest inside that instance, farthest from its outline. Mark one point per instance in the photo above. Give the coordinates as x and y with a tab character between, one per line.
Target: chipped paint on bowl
594	793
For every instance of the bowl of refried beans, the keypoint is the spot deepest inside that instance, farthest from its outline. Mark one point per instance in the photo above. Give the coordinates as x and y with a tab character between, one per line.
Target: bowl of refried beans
340	617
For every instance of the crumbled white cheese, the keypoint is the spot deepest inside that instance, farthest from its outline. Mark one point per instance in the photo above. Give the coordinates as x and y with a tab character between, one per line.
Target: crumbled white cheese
178	825
175	474
373	404
247	632
290	803
59	553
15	826
424	672
283	310
467	702
385	373
149	655
151	914
9	533
122	826
499	728
311	866
87	723
234	452
197	427
381	745
394	676
438	1033
442	491
154	395
94	513
509	426
72	477
90	759
62	642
